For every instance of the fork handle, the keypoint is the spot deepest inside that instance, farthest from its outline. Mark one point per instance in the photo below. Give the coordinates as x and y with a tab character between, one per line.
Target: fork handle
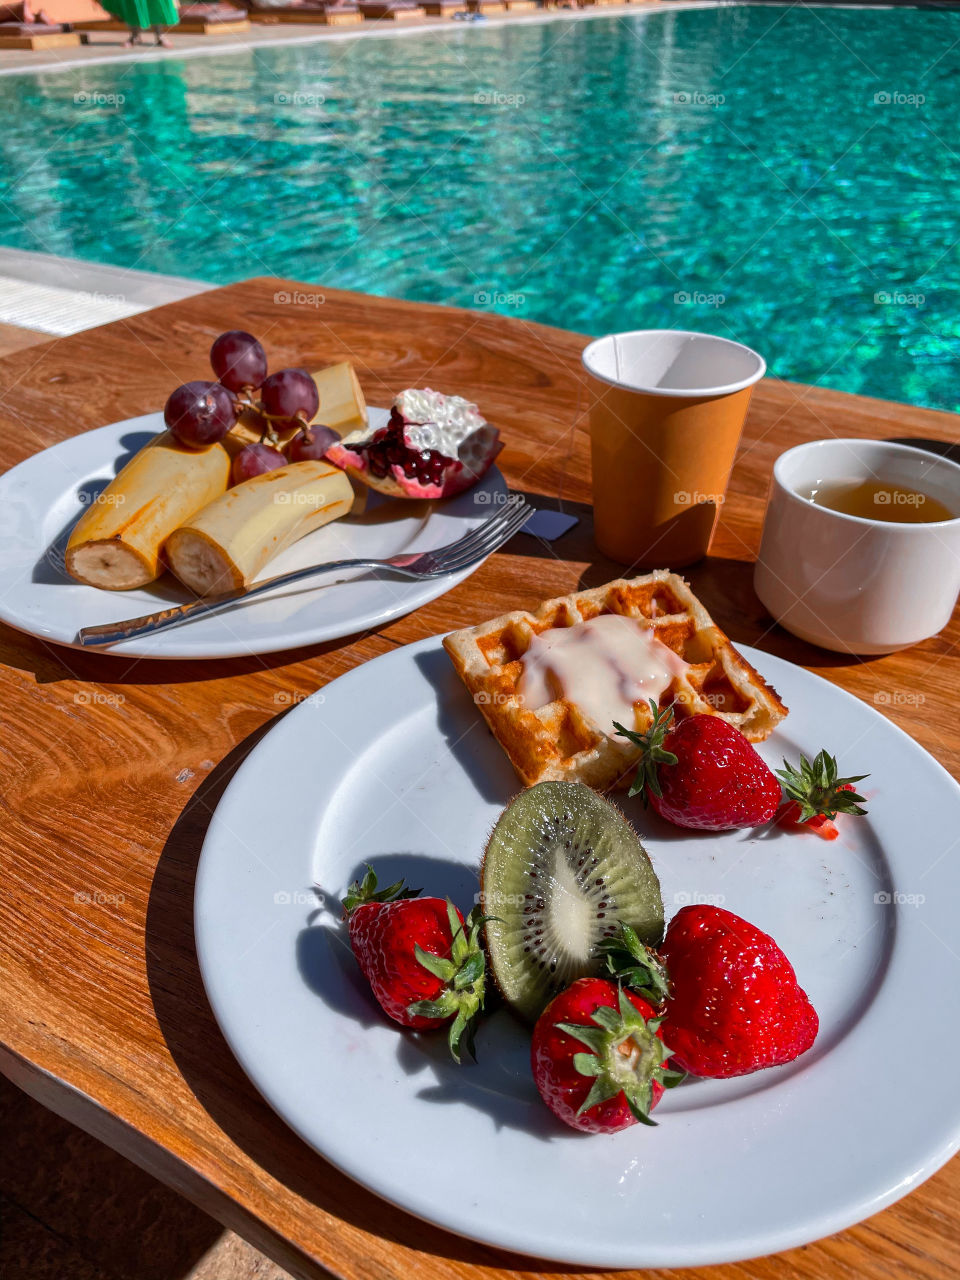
149	623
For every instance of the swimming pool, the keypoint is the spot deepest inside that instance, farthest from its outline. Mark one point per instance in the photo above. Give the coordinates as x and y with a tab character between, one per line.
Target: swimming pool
787	177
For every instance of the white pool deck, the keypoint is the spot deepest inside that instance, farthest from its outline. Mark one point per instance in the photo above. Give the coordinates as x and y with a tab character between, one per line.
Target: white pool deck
58	296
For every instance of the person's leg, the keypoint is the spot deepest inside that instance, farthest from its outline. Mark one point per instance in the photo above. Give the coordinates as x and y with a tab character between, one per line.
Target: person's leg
133	38
160	38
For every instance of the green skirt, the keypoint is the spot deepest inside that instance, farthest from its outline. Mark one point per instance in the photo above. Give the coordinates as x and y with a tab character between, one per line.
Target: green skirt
144	13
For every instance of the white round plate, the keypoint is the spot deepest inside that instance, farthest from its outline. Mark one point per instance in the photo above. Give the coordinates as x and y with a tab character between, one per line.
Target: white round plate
42	499
392	765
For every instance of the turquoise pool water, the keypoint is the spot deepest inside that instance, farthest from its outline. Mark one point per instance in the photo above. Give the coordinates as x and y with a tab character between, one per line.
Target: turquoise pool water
789	178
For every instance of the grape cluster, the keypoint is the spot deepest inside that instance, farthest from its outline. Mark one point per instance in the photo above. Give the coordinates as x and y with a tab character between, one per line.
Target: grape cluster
201	413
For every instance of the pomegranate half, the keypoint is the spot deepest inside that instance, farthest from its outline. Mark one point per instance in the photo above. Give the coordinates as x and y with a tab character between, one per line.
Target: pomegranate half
434	446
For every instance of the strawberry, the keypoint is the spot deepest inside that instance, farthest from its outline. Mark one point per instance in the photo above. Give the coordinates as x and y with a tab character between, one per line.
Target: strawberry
422	960
598	1059
815	795
735	1005
703	773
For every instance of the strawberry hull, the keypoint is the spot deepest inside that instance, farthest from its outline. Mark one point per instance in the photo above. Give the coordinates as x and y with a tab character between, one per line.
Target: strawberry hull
596	1062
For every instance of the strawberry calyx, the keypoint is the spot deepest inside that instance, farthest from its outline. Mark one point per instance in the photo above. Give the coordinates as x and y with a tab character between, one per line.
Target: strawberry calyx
365	891
635	965
625	1056
818	792
464	974
652	750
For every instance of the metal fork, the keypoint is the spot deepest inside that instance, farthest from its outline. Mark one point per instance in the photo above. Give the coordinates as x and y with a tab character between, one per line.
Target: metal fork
457	556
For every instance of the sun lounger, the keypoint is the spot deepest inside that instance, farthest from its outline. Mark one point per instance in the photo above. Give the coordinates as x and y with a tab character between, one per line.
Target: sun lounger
443	8
212	19
35	35
390	10
337	13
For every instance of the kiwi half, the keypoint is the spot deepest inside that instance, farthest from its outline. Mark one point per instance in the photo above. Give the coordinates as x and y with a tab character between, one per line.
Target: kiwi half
563	868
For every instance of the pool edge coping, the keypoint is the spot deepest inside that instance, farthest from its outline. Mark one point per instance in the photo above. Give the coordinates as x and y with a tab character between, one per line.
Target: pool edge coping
388	31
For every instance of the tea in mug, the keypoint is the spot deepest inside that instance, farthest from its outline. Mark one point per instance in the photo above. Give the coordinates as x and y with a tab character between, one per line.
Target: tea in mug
874	500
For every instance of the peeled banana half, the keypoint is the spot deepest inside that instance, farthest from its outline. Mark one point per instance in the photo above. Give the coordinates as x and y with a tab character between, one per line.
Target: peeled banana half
116	543
224	546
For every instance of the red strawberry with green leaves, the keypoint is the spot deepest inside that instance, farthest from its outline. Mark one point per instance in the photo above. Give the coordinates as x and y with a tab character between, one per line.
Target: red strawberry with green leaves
598	1057
734	1003
422	960
815	795
702	773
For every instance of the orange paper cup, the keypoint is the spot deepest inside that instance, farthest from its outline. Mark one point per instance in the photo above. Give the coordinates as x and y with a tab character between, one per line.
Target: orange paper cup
666	411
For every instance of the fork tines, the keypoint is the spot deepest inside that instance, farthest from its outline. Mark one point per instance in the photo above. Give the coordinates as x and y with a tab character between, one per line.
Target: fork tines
485	539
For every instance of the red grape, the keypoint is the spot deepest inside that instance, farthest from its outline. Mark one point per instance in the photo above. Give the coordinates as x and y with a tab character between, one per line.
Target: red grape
311	443
255	460
290	397
200	413
238	360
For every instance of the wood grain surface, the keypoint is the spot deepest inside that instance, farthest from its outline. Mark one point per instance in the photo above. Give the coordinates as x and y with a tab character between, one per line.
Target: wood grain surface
112	767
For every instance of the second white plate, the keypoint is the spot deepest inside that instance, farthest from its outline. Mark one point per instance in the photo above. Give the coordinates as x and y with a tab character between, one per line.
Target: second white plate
392	765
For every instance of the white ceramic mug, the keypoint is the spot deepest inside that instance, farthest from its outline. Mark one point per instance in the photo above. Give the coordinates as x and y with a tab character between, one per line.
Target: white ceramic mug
852	584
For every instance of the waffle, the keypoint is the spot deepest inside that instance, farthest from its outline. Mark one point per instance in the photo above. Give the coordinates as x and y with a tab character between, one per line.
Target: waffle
558	741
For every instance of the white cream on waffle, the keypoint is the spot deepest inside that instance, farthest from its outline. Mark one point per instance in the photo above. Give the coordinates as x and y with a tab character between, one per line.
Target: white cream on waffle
551	683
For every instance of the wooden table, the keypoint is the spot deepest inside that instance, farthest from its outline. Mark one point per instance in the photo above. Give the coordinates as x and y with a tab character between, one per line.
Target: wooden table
112	768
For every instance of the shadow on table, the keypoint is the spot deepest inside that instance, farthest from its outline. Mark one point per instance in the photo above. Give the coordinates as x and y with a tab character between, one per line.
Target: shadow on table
725	585
49	663
214	1075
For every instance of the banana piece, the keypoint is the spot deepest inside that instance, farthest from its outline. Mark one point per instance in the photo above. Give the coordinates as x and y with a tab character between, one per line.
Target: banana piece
116	542
342	405
223	547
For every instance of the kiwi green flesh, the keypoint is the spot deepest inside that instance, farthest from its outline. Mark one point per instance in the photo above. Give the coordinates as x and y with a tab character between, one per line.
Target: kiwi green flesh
562	870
